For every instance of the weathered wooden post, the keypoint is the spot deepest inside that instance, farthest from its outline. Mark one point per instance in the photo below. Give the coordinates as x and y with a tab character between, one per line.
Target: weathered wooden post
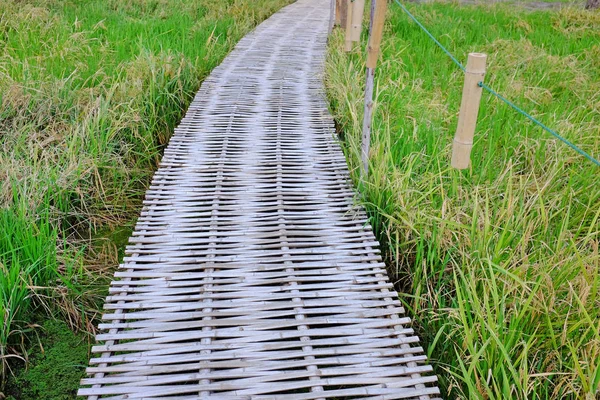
469	108
375	34
371	16
358	11
343	13
338	12
348	33
331	15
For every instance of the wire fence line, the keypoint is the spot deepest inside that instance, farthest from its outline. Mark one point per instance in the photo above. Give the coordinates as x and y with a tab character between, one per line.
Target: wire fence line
498	95
541	125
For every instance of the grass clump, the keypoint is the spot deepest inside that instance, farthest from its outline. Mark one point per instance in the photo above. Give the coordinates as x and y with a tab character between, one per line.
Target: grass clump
90	92
499	264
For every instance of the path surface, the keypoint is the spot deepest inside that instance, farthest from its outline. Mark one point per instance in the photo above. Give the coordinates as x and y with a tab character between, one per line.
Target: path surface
250	273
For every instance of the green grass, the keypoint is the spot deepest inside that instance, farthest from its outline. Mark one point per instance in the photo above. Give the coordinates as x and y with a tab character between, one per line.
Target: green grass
90	92
499	264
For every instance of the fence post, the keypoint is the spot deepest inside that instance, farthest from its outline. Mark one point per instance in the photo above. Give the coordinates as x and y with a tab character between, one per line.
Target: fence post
343	13
349	11
331	15
375	33
358	11
469	108
338	15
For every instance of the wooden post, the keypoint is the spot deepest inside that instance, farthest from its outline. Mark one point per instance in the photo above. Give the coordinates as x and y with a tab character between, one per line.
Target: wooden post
331	15
349	10
343	13
358	11
372	16
375	34
469	108
338	11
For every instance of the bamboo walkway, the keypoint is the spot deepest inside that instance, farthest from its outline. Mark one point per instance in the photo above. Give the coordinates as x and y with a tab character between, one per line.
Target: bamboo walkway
251	274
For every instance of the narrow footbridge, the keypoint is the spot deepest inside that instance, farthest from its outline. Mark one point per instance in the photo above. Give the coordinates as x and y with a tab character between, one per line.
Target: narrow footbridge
251	273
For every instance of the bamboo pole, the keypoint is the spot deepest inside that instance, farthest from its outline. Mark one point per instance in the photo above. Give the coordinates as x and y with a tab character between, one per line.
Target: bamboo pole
349	10
371	16
358	11
375	34
338	15
343	13
331	15
469	108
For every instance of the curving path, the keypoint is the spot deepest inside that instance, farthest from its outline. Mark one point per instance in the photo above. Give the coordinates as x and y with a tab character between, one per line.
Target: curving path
251	274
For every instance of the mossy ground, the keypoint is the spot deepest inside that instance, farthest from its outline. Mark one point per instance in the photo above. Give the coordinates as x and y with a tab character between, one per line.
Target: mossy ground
56	364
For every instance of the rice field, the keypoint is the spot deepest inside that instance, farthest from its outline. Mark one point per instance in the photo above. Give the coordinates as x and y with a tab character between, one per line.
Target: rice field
90	92
499	264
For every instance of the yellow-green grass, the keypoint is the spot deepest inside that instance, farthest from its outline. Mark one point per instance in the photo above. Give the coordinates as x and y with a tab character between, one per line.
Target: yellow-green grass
89	94
499	264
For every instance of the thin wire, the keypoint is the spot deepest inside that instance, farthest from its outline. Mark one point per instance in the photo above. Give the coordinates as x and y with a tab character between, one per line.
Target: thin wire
541	125
432	37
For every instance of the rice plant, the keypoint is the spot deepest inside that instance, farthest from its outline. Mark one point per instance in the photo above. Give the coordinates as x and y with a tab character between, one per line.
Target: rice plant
90	92
498	264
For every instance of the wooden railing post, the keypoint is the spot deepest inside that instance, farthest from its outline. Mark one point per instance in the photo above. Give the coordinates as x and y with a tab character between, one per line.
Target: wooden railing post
343	13
349	10
358	11
331	15
469	109
375	34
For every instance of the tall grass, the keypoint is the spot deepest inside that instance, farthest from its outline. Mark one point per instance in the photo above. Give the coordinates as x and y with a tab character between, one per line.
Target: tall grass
89	94
499	264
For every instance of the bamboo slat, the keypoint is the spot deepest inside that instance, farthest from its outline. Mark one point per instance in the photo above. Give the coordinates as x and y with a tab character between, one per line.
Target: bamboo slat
251	273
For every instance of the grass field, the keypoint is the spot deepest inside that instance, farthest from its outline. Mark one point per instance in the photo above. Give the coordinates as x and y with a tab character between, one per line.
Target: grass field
500	263
89	94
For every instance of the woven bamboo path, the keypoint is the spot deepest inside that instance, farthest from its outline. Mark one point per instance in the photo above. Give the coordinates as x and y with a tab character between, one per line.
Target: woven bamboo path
251	273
